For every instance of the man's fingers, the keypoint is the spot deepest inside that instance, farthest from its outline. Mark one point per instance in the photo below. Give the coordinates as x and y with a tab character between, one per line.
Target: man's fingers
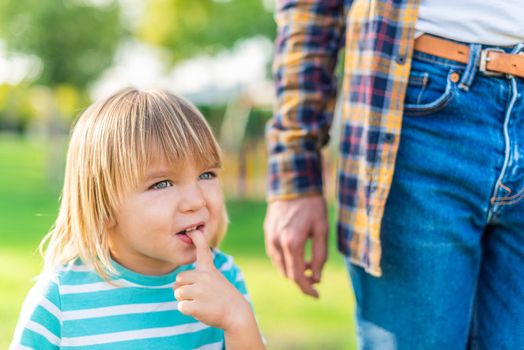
288	225
204	257
293	256
274	252
318	250
278	261
296	267
273	247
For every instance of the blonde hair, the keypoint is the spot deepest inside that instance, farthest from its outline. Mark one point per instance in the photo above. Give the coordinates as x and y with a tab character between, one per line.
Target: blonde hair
111	145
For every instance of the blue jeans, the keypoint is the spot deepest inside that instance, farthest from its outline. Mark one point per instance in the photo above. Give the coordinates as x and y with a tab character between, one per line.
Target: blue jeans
453	227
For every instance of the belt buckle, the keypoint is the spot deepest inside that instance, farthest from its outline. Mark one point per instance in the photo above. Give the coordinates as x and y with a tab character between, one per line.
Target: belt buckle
484	60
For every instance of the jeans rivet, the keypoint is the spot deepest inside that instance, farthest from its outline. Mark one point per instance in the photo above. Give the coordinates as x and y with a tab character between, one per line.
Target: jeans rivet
454	77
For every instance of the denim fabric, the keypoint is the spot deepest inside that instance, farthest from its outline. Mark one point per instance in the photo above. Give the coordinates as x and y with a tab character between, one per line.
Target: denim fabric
453	228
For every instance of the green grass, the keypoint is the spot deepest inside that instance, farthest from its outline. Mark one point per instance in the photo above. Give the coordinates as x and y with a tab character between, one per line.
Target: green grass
29	189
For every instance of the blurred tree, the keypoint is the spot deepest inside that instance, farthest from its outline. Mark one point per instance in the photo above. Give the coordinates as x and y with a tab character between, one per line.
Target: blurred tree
75	40
15	107
189	27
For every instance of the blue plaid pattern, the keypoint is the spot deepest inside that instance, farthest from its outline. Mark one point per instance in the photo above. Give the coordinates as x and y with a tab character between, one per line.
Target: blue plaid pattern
377	37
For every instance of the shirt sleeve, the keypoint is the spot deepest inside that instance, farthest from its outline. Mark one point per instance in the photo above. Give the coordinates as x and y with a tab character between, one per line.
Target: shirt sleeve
226	265
39	324
310	34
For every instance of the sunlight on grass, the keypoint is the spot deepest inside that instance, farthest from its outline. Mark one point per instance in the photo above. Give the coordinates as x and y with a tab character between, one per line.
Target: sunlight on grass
291	320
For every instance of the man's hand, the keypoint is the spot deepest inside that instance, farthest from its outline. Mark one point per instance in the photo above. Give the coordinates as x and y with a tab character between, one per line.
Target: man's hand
288	226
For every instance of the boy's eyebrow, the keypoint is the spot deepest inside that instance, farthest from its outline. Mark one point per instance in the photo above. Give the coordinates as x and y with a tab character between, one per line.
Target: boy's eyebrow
167	172
213	165
157	174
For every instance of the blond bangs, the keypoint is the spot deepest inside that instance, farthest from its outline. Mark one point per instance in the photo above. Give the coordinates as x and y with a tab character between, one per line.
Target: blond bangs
111	145
178	140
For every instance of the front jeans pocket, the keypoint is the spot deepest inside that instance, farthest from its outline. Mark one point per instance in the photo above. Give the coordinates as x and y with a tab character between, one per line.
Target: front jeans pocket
429	89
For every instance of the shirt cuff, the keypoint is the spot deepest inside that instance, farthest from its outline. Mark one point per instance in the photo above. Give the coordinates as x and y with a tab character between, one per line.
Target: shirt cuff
292	175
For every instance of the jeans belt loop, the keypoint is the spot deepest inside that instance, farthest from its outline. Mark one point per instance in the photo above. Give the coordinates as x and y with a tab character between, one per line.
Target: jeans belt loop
471	67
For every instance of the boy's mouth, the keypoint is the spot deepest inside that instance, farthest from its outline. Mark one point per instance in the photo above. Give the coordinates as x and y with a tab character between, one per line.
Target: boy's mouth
191	228
183	233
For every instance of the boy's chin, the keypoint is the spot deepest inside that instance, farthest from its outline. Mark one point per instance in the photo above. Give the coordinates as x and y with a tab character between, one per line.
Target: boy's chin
188	258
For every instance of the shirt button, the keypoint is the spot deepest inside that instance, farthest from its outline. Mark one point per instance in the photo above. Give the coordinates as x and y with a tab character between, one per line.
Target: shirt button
400	59
389	138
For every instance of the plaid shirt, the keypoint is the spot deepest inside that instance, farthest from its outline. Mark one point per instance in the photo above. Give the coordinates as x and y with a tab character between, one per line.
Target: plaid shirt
378	39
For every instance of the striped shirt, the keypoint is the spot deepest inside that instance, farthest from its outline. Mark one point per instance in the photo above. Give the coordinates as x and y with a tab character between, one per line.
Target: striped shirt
378	40
76	309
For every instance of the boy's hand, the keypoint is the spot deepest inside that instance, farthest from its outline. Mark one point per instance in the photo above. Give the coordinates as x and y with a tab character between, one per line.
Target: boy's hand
207	295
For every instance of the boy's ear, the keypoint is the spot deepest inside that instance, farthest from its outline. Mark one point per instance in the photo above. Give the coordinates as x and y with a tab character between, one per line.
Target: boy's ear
110	223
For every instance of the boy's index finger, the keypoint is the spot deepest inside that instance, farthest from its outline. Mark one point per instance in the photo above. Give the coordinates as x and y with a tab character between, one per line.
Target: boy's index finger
204	257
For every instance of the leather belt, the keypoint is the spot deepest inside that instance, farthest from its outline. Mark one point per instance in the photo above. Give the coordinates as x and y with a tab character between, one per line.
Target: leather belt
492	61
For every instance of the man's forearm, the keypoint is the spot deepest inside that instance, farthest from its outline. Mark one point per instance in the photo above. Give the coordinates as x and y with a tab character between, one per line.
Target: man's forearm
308	40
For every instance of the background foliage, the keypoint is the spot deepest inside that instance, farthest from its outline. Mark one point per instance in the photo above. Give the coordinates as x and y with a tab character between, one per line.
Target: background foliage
191	27
74	41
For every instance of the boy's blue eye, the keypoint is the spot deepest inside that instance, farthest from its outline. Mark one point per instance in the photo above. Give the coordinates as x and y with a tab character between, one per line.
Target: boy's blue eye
161	185
208	175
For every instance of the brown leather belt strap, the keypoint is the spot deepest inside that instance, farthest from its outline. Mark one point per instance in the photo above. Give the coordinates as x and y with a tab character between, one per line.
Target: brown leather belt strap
492	61
442	48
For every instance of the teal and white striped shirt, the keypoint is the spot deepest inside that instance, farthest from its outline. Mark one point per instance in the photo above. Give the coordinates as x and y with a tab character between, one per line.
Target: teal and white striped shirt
76	309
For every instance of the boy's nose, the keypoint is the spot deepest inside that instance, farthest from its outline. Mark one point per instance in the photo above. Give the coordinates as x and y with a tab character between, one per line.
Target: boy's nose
192	198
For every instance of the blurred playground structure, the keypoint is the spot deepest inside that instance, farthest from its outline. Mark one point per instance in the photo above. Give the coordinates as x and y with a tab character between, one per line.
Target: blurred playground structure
245	153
